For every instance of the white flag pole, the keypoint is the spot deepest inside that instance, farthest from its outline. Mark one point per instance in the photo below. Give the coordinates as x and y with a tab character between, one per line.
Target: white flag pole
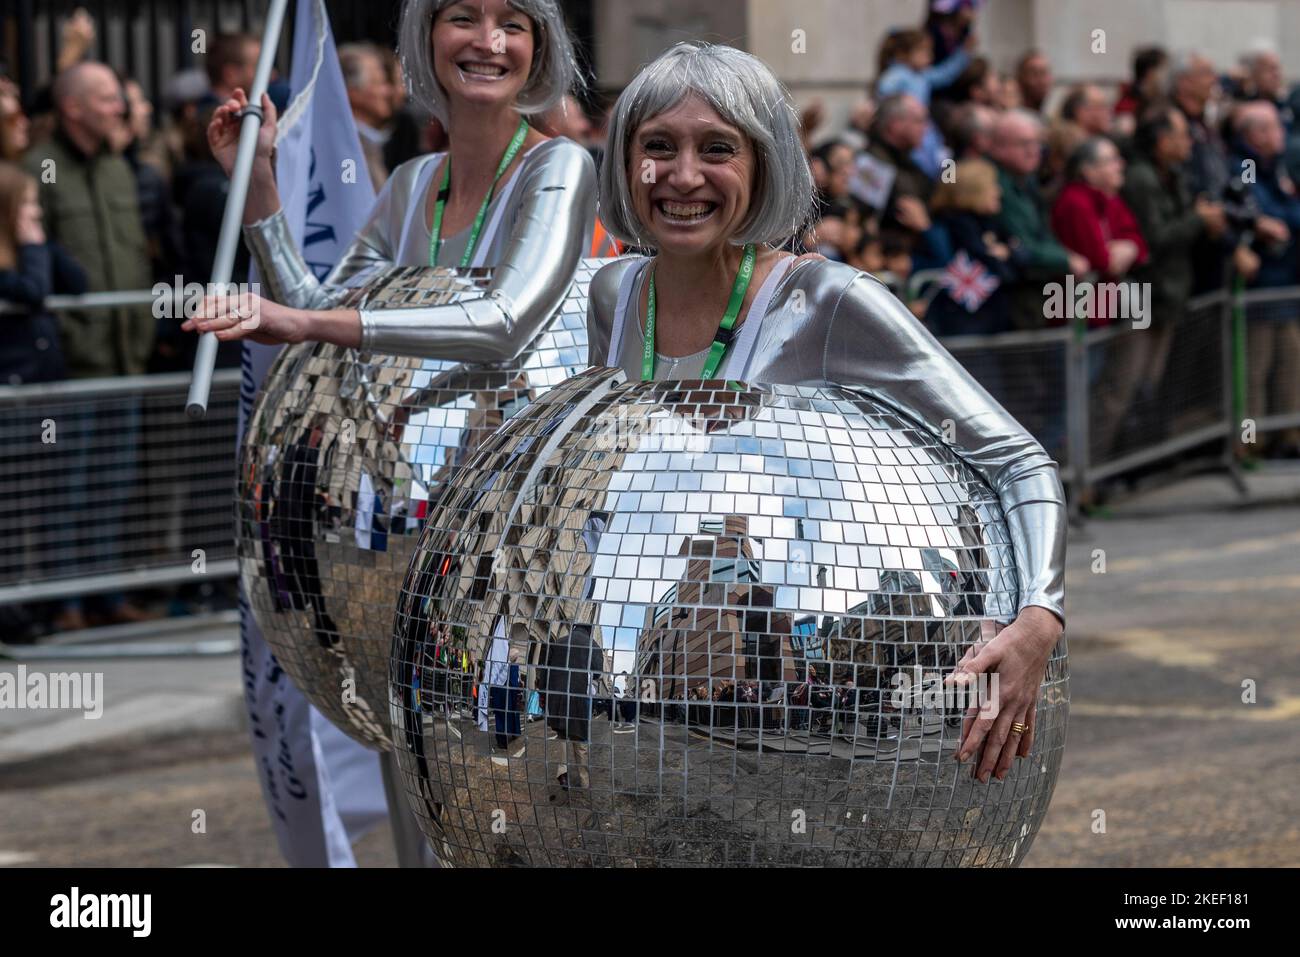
223	264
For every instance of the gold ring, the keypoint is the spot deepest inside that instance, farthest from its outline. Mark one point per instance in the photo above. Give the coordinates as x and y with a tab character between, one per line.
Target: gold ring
1019	728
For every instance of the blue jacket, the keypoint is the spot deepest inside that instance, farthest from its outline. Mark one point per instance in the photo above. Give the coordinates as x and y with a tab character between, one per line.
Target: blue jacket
1278	197
30	349
901	78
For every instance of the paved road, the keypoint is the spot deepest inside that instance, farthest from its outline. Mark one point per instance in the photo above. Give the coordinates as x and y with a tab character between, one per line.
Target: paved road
1189	608
1160	742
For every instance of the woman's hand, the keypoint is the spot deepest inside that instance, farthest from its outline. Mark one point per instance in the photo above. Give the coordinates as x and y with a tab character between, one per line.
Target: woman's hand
243	315
223	131
1019	655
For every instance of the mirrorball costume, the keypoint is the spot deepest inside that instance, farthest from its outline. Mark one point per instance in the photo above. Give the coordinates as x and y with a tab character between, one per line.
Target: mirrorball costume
820	323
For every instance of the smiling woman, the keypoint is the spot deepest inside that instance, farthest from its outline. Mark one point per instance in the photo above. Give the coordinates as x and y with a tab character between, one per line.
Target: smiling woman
704	166
505	195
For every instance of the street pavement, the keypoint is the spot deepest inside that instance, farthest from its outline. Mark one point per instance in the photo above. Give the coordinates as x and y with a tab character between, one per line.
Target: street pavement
1178	603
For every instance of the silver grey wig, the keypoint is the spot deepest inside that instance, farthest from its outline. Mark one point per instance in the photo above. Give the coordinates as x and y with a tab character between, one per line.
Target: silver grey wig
553	74
745	94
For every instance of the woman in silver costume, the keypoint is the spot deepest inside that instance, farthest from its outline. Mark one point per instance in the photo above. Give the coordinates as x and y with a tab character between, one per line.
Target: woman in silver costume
704	166
517	200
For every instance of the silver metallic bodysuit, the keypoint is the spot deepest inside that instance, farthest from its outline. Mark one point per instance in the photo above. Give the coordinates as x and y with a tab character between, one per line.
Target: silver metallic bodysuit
826	323
537	227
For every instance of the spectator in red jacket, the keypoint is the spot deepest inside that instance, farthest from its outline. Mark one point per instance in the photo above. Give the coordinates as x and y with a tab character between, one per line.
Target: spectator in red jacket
1091	219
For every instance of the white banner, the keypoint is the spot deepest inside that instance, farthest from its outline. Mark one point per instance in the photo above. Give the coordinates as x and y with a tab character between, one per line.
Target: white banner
323	789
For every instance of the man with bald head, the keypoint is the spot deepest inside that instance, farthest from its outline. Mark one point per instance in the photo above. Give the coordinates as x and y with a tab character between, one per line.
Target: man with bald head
1272	329
370	94
1194	85
88	194
1265	82
897	130
90	203
1017	149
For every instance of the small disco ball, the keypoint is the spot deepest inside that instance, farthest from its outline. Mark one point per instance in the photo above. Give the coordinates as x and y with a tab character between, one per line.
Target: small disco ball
676	623
344	455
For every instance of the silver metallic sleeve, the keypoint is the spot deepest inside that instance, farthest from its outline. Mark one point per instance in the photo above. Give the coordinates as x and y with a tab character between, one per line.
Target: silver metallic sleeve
873	339
285	273
556	205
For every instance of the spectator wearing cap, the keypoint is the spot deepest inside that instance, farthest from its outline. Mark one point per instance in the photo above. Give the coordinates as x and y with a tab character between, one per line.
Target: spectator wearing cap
1017	151
182	96
1272	329
370	94
92	208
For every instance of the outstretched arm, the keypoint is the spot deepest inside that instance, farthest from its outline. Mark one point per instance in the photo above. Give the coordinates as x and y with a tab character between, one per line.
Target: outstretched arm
873	339
547	238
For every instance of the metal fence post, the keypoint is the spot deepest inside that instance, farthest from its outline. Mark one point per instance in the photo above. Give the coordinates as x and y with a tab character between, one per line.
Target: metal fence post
1234	373
1076	411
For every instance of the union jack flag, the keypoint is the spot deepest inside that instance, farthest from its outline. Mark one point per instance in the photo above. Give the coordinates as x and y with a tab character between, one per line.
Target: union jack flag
968	282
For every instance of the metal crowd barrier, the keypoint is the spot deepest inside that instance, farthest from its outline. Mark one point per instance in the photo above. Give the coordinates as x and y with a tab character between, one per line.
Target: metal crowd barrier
106	486
1266	328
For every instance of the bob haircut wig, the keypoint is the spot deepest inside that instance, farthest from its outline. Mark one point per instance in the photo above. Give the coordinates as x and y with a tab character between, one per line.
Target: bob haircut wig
745	94
552	75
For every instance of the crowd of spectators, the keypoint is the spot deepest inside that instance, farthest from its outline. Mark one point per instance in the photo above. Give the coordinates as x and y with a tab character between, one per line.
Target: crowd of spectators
969	191
126	199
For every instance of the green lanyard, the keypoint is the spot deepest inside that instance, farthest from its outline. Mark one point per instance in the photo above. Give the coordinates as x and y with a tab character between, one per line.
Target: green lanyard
721	339
435	242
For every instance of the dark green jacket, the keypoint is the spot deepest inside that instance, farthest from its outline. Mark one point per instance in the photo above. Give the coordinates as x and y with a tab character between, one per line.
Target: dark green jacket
1165	213
1037	254
91	208
1024	218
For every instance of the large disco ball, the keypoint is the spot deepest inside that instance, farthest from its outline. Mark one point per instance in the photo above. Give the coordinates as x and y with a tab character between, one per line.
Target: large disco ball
343	456
706	623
